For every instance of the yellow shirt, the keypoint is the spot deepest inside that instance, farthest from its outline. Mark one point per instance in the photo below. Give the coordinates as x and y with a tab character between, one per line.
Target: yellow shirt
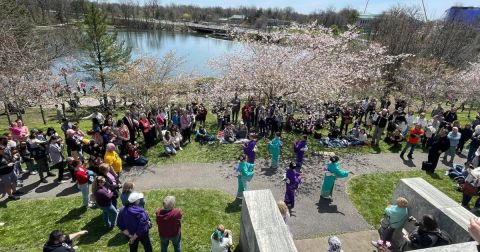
112	158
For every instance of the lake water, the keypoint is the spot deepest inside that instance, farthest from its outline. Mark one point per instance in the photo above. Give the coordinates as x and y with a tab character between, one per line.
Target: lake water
196	50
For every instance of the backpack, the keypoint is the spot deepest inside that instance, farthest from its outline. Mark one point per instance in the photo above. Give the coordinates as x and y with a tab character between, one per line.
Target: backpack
442	238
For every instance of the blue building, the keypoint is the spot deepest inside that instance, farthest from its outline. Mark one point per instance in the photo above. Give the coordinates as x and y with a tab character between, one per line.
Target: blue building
466	15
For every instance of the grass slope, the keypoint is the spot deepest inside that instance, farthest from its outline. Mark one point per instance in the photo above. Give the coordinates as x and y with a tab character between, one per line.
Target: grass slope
29	222
370	193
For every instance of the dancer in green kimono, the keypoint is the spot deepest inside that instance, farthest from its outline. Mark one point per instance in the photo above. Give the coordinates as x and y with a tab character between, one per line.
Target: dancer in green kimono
274	148
245	174
332	172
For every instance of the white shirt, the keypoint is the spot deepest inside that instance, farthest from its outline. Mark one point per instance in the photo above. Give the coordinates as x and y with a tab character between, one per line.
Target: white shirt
422	122
222	246
410	119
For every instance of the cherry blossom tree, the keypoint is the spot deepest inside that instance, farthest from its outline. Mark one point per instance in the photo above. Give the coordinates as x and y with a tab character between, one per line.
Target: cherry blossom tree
306	64
468	85
427	80
154	81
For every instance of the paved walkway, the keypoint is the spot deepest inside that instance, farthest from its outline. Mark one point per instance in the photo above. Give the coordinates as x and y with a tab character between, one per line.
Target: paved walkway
312	217
355	241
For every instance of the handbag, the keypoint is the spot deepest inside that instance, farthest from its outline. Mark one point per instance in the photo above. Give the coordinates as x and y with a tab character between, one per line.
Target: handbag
468	189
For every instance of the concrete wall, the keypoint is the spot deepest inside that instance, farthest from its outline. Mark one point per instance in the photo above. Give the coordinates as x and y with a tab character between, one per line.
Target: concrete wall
425	199
262	227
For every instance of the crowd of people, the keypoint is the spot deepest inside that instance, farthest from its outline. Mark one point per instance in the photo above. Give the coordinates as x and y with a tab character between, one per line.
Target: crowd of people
95	157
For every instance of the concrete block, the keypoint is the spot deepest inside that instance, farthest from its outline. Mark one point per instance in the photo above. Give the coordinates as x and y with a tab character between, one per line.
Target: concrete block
460	247
425	199
262	227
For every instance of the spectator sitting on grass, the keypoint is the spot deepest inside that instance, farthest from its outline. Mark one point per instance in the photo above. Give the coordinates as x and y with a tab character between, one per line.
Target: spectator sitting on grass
229	134
202	136
58	241
242	131
134	158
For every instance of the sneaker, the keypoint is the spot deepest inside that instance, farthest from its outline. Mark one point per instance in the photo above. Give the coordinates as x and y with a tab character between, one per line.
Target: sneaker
180	148
61	181
44	180
50	174
13	197
33	173
375	244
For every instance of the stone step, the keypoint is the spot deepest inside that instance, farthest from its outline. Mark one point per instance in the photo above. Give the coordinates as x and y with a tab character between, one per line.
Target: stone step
355	241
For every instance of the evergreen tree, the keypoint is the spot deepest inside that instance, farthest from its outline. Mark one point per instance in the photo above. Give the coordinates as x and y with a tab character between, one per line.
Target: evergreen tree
105	52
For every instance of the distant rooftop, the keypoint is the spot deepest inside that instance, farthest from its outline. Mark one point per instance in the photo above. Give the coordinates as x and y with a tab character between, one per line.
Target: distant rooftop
367	16
466	15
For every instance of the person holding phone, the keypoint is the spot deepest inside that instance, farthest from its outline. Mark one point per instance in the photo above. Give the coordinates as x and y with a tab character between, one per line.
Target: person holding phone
221	239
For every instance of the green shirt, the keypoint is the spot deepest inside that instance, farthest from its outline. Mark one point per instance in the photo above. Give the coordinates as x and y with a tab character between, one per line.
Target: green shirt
398	215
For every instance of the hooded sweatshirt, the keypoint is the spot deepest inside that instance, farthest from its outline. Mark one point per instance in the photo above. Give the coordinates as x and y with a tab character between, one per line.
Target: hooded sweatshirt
65	246
135	219
169	222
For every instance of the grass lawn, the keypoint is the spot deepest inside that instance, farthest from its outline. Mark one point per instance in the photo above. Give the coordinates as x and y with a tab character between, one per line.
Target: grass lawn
370	193
196	153
29	222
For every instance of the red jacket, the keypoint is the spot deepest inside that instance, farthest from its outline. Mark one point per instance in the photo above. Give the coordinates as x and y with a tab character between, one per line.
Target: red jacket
169	222
415	134
81	175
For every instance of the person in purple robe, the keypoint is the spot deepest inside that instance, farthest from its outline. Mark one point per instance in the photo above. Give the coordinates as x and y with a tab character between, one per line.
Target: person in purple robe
293	179
249	148
299	148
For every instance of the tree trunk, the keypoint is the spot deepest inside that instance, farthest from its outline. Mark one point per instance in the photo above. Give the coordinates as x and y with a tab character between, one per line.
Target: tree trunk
43	114
7	112
75	116
63	109
470	109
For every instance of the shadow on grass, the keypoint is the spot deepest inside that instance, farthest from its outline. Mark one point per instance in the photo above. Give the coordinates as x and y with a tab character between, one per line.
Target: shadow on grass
376	149
96	229
325	206
118	240
433	175
234	207
68	191
74	214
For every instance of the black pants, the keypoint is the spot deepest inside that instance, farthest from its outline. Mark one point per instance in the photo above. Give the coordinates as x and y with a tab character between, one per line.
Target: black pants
42	166
145	240
460	145
433	157
235	115
61	168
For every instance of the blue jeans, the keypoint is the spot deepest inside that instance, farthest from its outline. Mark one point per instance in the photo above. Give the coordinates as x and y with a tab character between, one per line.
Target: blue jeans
170	149
109	215
141	161
85	192
412	147
176	241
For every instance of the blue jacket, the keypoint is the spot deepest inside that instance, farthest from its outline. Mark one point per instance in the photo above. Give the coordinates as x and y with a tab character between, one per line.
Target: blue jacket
135	219
454	138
